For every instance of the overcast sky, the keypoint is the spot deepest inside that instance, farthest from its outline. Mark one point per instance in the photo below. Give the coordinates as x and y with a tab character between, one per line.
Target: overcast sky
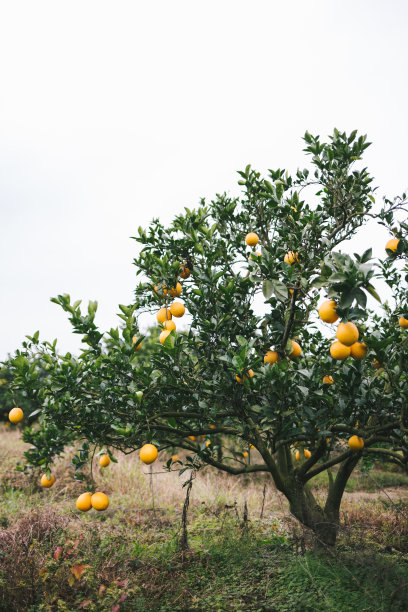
114	112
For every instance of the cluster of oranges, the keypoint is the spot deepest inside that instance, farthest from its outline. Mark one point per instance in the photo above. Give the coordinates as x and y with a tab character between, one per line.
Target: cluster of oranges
176	309
347	334
100	501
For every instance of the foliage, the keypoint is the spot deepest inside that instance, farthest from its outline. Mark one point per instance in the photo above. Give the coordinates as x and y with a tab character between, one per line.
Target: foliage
109	395
10	397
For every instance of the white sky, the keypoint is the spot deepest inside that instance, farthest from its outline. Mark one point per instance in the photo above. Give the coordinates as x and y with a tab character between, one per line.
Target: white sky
114	112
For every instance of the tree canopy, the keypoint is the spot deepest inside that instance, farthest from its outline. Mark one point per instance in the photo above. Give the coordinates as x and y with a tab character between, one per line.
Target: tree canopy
253	371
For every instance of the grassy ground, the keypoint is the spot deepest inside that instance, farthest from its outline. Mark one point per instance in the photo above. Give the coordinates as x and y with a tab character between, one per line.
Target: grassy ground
128	558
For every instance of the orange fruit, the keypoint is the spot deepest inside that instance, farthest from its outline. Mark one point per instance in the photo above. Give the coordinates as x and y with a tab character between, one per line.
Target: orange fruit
392	245
148	453
271	357
403	322
185	272
355	443
328	380
163	315
139	346
339	351
191	438
16	415
245	454
347	333
256	253
207	442
297	455
377	364
250	374
252	239
177	309
47	482
174	458
169	325
291	257
358	350
160	290
327	311
307	453
212	426
104	460
296	350
163	335
176	291
83	502
99	501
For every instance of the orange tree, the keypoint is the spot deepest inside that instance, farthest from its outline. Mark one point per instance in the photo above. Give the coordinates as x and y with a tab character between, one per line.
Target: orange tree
256	372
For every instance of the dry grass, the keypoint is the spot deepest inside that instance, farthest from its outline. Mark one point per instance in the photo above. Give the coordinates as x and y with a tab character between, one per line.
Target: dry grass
131	549
132	487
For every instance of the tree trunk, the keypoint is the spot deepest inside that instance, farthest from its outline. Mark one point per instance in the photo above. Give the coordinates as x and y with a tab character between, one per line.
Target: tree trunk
325	521
305	508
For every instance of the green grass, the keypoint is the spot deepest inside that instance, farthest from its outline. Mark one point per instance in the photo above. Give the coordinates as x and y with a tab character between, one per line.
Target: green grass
135	562
371	481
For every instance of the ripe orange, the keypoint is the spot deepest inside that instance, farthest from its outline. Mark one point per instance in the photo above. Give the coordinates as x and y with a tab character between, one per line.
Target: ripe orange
355	443
252	239
271	357
160	290
256	253
328	380
83	502
177	309
212	426
207	442
176	291
245	454
403	322
163	315
16	415
291	257
163	335
148	453
392	245
327	311
191	438
99	501
185	272
297	455
174	458
104	460
139	346
358	350
47	482
250	374
169	325
347	333
377	364
307	453
339	351
296	350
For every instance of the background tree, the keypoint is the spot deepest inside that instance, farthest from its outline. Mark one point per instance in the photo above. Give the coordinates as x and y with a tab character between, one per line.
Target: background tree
246	375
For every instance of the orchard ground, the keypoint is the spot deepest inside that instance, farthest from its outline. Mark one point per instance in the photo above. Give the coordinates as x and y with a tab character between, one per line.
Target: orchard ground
52	557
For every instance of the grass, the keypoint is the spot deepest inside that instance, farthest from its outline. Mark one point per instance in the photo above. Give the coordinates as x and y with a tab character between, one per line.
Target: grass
128	558
366	481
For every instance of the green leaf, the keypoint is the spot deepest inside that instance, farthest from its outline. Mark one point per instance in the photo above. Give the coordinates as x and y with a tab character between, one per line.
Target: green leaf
371	290
267	289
